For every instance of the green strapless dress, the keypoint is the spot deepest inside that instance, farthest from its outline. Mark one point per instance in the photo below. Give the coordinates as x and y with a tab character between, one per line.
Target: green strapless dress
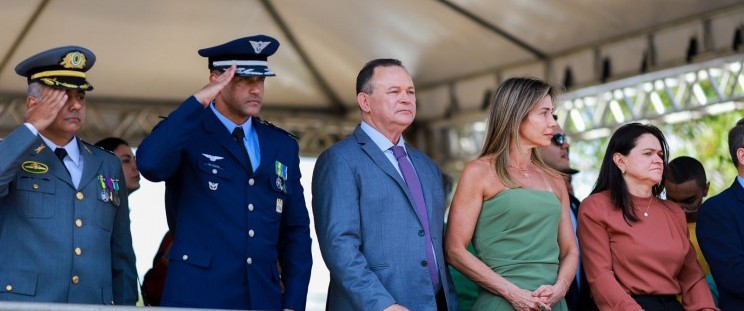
517	237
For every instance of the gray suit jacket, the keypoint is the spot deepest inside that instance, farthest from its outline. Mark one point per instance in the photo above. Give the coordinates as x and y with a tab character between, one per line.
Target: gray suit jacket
368	231
58	243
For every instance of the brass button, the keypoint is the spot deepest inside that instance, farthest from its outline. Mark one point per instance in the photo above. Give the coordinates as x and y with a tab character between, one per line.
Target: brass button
36	186
79	196
251	182
185	257
75	279
250	207
214	171
249	260
78	222
8	287
78	251
251	233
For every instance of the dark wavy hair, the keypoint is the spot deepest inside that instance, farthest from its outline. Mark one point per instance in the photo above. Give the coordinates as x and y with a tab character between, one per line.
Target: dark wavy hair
611	178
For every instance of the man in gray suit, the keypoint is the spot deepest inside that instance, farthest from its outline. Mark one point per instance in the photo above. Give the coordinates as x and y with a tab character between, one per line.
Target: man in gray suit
64	214
379	206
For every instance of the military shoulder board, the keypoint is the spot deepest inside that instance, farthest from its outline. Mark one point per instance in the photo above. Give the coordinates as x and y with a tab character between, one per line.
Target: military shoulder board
271	125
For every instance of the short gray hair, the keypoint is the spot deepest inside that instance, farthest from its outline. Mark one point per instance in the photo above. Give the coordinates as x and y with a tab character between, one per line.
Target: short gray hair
35	89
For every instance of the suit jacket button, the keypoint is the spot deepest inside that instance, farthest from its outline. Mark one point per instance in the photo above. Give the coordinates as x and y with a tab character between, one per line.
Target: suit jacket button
75	279
250	207
421	233
78	251
249	260
251	182
79	196
78	222
251	233
8	287
424	263
185	257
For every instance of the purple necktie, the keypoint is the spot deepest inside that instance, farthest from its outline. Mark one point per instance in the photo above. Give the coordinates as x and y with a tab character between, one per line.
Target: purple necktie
414	186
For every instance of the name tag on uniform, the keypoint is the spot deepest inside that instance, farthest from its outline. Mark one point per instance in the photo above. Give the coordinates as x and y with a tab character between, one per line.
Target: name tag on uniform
279	205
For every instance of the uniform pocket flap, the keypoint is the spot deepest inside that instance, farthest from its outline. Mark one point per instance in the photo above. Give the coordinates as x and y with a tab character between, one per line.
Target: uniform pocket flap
43	185
18	282
191	255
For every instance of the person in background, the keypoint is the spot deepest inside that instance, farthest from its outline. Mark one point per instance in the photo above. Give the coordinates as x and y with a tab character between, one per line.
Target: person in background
64	216
121	149
720	230
514	207
634	246
234	201
555	156
379	206
687	185
154	279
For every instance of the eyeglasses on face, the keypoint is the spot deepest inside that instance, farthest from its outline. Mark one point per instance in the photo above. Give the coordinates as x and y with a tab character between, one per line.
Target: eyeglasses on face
559	139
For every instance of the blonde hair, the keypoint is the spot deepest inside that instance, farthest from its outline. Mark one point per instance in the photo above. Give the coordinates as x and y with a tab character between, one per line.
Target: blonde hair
513	100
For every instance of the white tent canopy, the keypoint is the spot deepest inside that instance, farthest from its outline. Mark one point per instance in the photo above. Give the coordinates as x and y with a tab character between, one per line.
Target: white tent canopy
455	49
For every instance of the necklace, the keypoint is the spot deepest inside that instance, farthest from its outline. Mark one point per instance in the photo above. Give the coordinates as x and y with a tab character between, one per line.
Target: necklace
645	214
521	170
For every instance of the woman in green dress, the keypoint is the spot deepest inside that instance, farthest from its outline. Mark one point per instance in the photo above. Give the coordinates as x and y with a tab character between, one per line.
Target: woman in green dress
514	208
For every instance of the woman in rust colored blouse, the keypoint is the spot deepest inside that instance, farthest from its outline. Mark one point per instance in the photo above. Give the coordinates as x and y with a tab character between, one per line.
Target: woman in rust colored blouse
634	245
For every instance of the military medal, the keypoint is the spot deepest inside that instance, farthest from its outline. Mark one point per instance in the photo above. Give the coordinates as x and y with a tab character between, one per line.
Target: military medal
111	187
115	196
281	173
104	195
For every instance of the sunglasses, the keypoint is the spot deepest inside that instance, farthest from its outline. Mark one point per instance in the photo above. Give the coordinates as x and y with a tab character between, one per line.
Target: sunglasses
559	139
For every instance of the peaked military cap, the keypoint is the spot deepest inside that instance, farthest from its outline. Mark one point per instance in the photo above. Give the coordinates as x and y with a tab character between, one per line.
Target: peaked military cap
250	54
61	68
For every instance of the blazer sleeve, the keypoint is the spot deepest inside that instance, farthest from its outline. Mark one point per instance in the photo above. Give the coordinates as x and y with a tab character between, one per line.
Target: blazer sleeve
596	257
159	155
295	253
11	151
721	241
695	291
336	210
123	266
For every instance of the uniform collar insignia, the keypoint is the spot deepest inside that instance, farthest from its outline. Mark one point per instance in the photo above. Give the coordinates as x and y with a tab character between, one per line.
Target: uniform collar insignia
40	148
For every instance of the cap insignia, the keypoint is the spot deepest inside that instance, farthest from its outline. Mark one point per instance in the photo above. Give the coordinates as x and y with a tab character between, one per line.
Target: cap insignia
74	60
258	46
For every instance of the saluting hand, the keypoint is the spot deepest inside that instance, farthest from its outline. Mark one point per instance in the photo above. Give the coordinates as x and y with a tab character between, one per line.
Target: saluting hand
42	111
215	86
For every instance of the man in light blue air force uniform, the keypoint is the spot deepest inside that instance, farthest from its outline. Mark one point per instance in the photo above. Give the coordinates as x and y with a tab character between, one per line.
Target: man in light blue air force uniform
233	194
64	214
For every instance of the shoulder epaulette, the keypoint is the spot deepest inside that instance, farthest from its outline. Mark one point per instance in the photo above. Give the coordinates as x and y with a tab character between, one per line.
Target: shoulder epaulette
86	144
271	125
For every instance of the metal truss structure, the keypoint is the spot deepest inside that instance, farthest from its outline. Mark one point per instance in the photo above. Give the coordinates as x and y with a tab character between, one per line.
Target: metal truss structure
134	120
668	96
673	95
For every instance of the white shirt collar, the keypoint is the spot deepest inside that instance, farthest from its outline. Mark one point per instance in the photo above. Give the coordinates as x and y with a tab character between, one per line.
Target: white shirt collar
72	148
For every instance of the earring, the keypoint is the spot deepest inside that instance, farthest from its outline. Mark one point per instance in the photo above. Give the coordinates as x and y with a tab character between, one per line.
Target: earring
622	172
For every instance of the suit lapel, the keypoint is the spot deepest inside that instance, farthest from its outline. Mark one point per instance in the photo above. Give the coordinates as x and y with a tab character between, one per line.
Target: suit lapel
217	131
424	175
91	165
44	154
268	152
379	158
738	190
